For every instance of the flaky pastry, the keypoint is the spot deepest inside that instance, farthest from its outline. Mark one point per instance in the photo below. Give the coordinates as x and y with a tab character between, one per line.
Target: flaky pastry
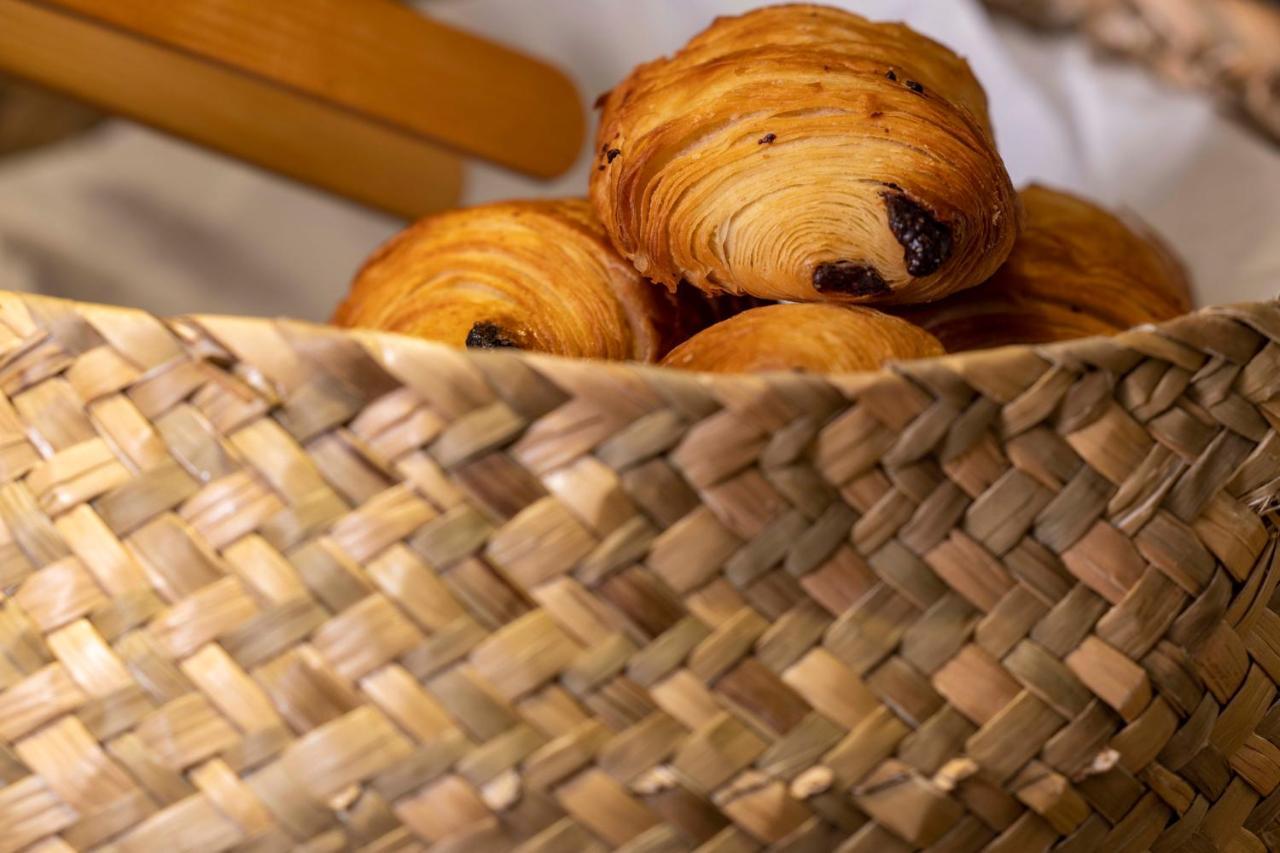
537	275
805	153
812	337
1077	270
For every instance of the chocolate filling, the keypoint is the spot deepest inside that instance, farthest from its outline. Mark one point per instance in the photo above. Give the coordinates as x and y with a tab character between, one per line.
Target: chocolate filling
768	139
489	336
926	240
612	154
915	87
849	277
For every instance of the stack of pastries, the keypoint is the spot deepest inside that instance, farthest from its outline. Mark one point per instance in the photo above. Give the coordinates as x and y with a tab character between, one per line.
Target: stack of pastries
798	188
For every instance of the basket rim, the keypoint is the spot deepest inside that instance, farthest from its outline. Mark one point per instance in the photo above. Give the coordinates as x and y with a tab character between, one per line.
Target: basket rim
1160	338
1096	350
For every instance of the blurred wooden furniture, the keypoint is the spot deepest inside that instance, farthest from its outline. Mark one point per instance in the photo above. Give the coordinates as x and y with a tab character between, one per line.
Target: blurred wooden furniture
32	116
365	98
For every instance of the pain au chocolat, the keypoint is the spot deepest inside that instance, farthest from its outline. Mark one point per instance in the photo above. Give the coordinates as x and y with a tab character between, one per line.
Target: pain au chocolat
1077	270
535	275
816	338
804	153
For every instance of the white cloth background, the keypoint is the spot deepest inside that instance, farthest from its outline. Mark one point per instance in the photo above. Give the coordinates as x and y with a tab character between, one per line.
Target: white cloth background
131	217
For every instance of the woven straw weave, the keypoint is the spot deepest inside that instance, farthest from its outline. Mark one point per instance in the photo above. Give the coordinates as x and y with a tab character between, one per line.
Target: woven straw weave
1229	48
268	586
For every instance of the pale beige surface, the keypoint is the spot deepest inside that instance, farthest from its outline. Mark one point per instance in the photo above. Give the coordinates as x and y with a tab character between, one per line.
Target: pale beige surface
129	217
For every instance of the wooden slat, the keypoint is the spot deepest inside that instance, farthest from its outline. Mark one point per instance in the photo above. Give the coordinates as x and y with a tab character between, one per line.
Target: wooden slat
379	58
266	125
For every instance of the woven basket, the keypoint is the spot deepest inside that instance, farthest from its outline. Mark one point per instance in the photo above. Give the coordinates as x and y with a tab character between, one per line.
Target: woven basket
272	586
268	586
1227	48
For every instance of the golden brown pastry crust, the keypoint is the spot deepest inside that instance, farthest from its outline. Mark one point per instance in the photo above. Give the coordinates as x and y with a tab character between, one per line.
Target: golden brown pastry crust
818	338
805	153
1077	270
538	275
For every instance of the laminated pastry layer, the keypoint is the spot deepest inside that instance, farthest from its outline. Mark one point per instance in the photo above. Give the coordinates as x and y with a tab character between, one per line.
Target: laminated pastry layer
804	153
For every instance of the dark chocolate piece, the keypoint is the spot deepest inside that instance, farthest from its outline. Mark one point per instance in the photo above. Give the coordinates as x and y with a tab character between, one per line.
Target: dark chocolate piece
768	139
892	76
926	240
849	278
612	154
915	87
489	336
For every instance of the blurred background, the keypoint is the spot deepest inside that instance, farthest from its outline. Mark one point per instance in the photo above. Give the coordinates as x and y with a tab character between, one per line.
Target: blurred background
99	209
